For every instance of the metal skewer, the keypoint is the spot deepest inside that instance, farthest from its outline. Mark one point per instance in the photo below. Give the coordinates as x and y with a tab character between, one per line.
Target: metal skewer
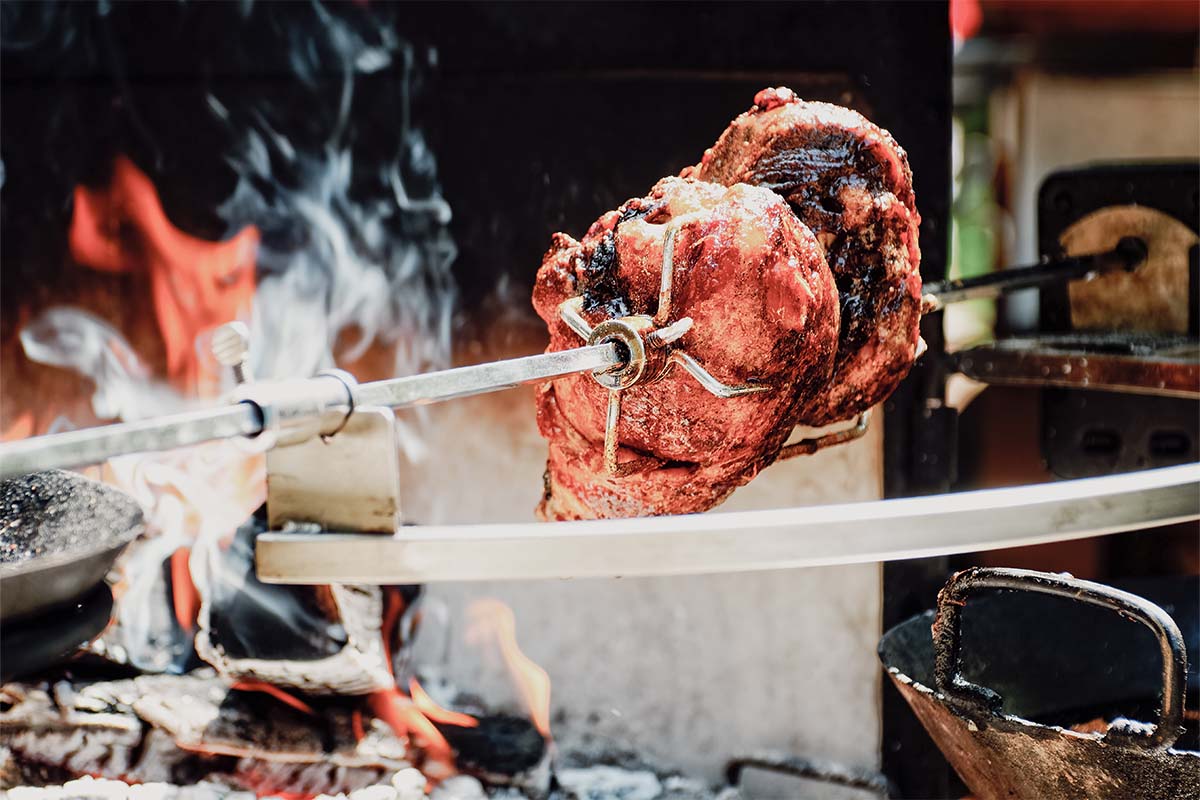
1128	254
436	387
94	445
248	418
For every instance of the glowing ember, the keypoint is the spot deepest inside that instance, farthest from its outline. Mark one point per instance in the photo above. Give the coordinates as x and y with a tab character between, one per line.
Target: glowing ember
403	716
196	285
412	718
279	694
492	622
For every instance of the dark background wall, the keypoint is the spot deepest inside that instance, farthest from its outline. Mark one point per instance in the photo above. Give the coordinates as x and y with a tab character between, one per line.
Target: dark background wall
546	115
536	117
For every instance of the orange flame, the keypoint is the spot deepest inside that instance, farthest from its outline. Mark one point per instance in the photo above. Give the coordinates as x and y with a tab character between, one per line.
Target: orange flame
409	717
436	713
196	285
492	620
184	595
276	692
403	716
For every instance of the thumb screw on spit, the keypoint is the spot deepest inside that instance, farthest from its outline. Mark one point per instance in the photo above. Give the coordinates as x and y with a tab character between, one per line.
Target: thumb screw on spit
231	347
663	337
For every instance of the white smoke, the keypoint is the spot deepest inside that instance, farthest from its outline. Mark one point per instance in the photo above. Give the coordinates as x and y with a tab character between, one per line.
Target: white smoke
76	340
352	274
351	257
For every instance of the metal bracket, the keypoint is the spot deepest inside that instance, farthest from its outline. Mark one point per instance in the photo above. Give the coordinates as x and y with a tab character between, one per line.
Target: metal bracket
332	463
349	481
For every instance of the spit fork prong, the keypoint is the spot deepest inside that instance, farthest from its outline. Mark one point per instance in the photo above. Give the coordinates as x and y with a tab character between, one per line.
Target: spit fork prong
709	382
668	278
806	447
668	335
611	444
646	341
611	420
570	312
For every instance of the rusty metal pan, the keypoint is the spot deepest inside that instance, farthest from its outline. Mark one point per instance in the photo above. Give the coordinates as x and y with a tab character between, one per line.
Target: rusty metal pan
61	533
1057	688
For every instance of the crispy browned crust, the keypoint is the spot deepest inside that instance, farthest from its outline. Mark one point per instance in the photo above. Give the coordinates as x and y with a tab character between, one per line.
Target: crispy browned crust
849	182
764	304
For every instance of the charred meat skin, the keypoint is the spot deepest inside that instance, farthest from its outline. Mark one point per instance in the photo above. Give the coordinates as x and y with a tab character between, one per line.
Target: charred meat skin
849	182
765	308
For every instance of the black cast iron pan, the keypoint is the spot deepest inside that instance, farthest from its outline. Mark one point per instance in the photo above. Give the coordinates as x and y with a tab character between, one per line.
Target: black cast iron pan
59	535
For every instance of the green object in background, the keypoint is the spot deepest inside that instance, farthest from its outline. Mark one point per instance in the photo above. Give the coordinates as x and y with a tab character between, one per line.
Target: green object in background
973	217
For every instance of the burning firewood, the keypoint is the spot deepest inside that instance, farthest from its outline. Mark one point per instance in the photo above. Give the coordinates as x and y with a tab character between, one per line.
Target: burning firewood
332	641
186	728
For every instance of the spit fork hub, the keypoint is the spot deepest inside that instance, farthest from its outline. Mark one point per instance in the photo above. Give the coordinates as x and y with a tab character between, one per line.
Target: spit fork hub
647	348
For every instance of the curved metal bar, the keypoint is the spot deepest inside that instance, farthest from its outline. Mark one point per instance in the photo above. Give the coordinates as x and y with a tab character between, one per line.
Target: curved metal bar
806	447
781	538
569	312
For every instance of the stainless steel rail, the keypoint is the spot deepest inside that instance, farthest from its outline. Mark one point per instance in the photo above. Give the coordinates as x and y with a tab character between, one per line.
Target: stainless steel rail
885	530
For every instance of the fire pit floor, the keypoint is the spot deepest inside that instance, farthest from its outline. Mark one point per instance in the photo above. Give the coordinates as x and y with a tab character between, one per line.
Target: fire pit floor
192	737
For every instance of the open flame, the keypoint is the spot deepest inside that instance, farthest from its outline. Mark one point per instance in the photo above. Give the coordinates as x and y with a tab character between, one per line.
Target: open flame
196	497
196	285
328	255
491	623
436	713
417	717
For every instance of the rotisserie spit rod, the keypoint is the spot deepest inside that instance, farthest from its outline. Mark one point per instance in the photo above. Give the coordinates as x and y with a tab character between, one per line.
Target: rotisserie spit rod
1127	255
296	409
323	402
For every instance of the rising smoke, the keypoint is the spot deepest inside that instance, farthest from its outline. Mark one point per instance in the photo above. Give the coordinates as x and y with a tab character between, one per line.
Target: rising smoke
294	118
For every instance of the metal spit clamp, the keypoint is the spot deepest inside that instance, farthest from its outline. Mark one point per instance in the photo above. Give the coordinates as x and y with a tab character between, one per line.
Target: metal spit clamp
331	464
